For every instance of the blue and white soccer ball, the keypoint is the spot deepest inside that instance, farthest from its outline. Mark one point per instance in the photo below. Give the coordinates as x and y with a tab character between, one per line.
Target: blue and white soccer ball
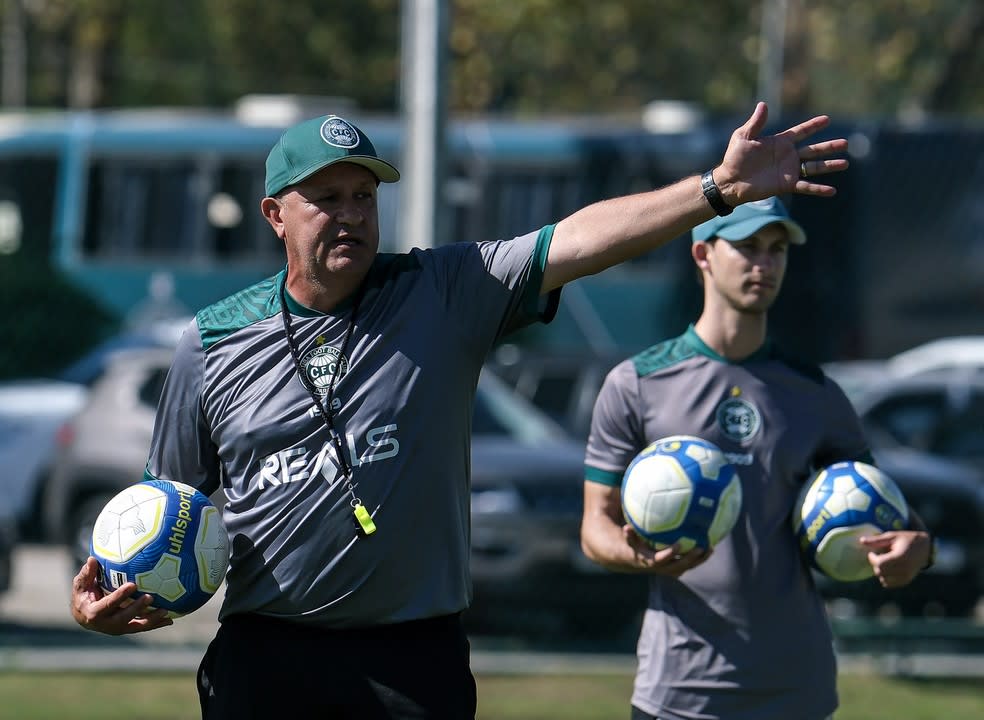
681	489
168	538
841	503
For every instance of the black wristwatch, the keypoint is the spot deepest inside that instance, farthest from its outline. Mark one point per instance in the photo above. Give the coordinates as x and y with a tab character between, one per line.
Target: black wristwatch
713	194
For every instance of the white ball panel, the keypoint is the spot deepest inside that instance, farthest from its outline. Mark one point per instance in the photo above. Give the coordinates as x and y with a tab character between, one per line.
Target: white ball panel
857	499
842	557
129	522
886	487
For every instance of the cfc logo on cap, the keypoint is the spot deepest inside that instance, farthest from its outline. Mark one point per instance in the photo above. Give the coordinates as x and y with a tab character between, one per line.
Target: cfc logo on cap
339	133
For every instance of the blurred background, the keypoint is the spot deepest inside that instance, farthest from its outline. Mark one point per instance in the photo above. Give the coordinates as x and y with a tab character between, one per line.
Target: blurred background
132	142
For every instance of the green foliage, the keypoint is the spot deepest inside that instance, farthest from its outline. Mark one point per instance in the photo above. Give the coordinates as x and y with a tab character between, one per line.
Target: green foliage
596	55
526	57
53	324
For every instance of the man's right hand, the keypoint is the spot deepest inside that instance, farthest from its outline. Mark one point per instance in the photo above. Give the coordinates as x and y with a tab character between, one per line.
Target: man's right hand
665	561
115	613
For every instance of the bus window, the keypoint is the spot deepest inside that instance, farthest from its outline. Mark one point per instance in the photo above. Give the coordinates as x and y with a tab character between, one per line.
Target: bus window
240	232
142	209
27	201
184	211
503	202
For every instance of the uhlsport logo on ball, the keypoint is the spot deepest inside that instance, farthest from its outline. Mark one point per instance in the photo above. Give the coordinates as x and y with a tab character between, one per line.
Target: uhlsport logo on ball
681	489
840	504
168	538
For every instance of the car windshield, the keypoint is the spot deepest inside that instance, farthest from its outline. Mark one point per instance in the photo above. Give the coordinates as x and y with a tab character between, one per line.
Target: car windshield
500	411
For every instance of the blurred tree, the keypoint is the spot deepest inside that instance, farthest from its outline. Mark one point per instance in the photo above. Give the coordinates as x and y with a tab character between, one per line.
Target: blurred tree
897	57
215	51
597	56
54	321
525	56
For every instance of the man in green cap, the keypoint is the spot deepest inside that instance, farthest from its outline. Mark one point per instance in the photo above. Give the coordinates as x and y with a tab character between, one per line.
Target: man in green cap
717	638
332	403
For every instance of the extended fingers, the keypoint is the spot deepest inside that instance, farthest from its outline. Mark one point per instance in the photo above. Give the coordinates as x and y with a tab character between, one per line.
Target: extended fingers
823	149
809	168
798	133
815	158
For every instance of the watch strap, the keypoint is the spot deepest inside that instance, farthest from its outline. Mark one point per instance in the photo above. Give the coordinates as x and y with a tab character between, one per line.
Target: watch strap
712	193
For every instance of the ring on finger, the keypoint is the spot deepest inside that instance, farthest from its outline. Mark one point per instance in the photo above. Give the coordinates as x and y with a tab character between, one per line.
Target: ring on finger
803	172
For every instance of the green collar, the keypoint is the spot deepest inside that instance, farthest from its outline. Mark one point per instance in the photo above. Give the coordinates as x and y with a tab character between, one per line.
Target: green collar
765	352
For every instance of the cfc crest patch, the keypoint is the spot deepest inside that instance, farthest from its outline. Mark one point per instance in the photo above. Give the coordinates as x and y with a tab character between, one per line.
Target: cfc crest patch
321	364
339	133
738	419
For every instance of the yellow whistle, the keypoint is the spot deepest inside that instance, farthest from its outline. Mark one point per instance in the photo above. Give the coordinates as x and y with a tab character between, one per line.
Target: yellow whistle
365	519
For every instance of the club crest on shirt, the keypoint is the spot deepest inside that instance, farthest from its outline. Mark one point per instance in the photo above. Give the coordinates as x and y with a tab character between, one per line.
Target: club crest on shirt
320	365
739	419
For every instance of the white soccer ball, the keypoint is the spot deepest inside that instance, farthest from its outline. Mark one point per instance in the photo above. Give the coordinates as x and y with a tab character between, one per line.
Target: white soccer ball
840	504
168	538
681	489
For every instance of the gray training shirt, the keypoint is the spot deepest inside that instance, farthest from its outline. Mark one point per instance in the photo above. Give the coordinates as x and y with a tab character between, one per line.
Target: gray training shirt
234	412
743	636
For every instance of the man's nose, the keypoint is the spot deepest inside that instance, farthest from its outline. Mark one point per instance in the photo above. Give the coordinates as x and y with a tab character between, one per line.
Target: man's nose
349	213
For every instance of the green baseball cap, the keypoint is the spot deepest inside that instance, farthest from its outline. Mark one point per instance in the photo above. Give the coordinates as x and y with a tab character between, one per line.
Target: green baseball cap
314	144
748	219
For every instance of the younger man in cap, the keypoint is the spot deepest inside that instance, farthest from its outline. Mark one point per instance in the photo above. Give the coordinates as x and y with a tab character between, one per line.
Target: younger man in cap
739	633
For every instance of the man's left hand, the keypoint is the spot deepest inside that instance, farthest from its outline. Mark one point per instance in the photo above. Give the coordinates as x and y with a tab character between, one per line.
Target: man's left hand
897	556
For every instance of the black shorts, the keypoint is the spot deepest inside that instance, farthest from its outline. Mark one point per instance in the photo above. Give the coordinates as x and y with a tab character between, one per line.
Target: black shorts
258	667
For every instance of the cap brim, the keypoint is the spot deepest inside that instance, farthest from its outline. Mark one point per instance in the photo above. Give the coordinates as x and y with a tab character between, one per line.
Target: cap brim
380	168
747	228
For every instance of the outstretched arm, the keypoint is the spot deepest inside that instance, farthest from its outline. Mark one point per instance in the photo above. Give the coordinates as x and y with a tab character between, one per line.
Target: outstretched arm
612	231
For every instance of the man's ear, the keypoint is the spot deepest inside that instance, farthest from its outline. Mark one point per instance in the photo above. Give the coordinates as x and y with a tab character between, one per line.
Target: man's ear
699	251
271	209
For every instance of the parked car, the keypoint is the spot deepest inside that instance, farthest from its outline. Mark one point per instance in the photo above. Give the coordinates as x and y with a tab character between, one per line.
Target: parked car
34	409
31	412
561	384
528	571
103	448
940	412
964	352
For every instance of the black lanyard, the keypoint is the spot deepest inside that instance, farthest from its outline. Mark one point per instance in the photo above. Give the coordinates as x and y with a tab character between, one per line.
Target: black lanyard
362	516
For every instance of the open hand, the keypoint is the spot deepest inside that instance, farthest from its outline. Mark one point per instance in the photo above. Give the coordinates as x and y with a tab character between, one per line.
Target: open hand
755	168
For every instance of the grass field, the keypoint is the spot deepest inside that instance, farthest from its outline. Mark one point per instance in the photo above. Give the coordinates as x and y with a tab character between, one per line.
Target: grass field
125	696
